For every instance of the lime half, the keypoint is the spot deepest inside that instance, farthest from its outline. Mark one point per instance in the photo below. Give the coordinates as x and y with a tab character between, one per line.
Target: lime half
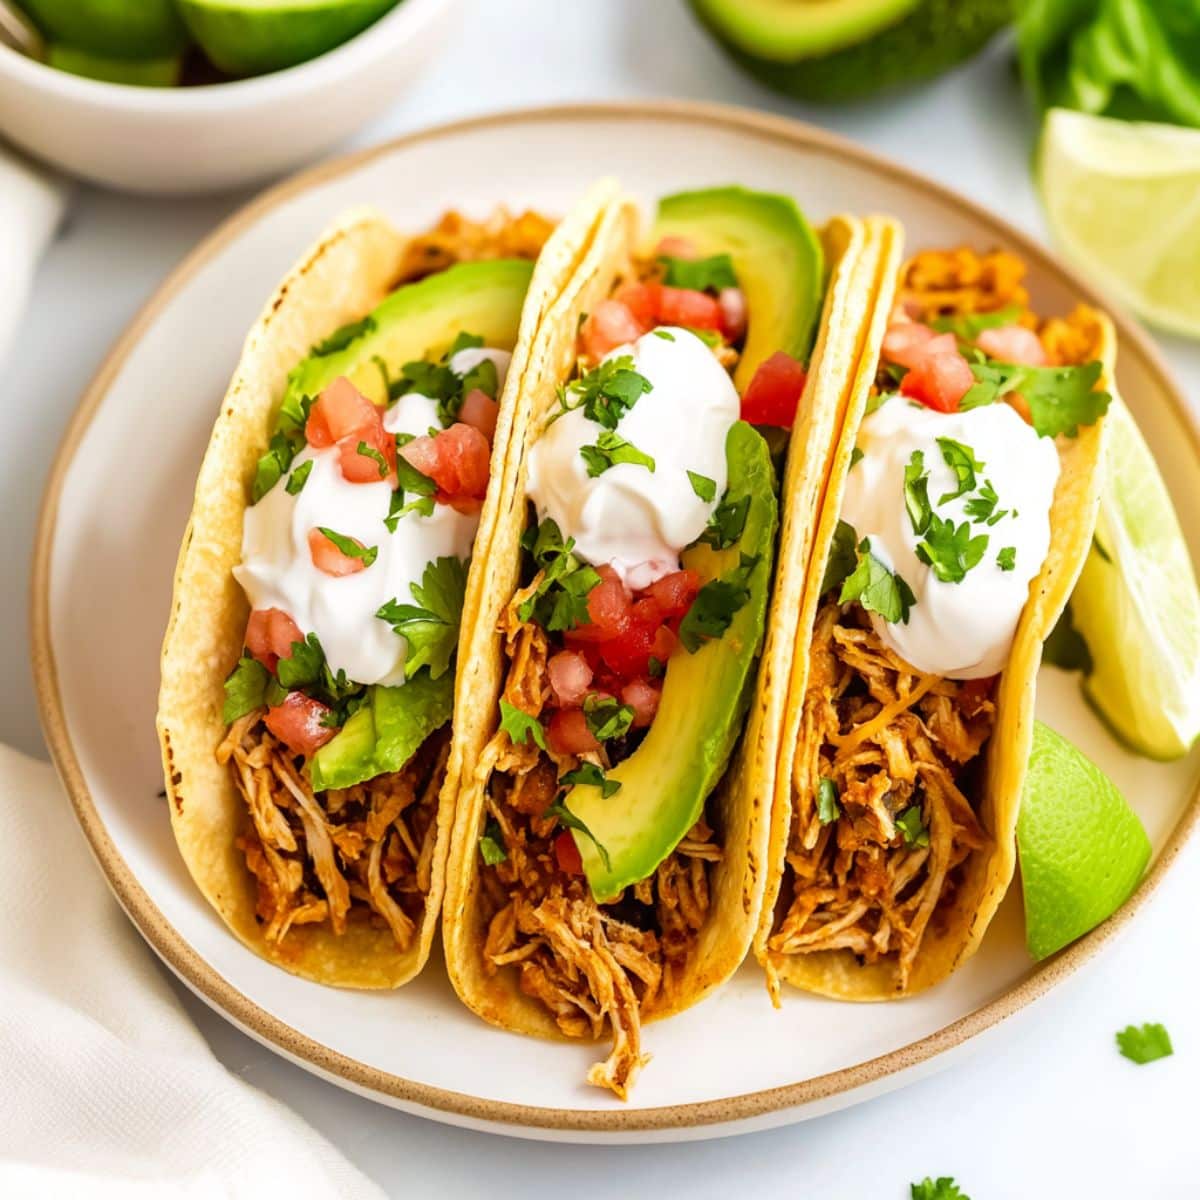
1137	605
1082	847
147	72
1123	201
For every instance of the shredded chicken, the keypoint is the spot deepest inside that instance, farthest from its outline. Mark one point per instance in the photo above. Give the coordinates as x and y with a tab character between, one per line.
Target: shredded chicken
593	966
358	853
456	238
870	878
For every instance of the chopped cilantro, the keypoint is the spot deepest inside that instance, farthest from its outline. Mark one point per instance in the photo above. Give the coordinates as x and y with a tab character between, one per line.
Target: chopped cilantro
590	775
912	828
415	491
962	461
374	455
716	604
705	488
982	507
1065	647
303	666
827	801
969	326
1060	399
876	588
951	550
442	385
245	689
350	547
431	625
611	449
699	274
464	341
607	717
274	464
339	339
560	601
916	492
491	844
655	667
606	392
842	556
725	526
521	726
1006	560
943	1188
298	478
1145	1043
665	334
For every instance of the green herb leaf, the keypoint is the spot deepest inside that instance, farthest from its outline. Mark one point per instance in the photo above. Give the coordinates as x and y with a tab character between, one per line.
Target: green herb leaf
969	326
607	717
725	526
827	801
339	339
1006	560
274	464
245	689
916	492
962	461
606	392
304	665
665	334
431	625
491	844
415	491
374	455
951	550
482	377
876	588
464	341
699	274
912	828
943	1188
982	507
716	604
298	478
655	667
611	449
1145	1043
705	488
351	547
843	557
1060	399
589	775
521	726
560	601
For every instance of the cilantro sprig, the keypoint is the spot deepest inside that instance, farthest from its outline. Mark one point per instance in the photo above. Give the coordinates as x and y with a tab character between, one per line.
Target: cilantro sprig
1060	399
350	547
950	549
521	726
611	449
716	604
560	601
725	526
916	492
414	489
699	274
431	625
876	588
606	392
607	717
591	775
1143	1044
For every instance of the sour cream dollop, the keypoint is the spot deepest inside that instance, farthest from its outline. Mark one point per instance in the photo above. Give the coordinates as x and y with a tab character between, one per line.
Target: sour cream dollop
277	570
958	630
628	517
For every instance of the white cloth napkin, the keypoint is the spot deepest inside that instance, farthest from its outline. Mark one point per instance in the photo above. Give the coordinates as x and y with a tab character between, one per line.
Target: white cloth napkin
106	1087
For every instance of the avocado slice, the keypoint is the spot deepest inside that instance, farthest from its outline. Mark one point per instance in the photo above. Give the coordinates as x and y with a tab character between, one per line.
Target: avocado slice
666	780
776	256
417	321
127	29
846	49
252	37
385	733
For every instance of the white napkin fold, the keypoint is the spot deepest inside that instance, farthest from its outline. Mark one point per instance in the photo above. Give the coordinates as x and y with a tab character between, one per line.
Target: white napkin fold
106	1087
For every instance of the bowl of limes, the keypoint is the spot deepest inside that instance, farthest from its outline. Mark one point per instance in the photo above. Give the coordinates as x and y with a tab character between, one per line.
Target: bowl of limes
178	96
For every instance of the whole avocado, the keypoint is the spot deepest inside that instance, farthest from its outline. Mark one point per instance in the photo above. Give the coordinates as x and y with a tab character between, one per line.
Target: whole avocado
928	40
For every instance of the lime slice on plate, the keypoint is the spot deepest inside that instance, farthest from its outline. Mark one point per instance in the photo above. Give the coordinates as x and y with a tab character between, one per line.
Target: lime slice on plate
1082	847
251	37
1137	605
142	72
1123	201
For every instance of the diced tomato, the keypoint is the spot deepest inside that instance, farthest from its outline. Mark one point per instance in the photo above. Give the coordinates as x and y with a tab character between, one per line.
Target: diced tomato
642	299
328	558
566	854
1020	406
608	606
611	324
665	643
905	342
1014	344
939	381
642	696
972	693
270	633
297	723
357	467
570	677
628	654
674	246
674	593
568	733
774	392
683	306
456	459
732	303
480	411
341	410
647	610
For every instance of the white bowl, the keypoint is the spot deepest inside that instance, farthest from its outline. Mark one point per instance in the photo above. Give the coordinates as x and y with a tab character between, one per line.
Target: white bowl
204	139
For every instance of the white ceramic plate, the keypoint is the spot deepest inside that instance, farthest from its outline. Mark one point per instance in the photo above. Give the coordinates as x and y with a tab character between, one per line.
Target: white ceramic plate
117	503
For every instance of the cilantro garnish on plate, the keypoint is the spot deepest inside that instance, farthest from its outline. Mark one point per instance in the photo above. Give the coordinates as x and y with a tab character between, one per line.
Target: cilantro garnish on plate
1143	1044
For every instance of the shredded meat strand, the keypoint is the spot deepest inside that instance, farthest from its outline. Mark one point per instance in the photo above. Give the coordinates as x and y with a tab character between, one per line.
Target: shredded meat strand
456	238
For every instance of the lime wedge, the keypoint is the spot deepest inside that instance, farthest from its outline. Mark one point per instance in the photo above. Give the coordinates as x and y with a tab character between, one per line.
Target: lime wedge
1123	201
146	72
1137	605
251	37
137	29
1082	847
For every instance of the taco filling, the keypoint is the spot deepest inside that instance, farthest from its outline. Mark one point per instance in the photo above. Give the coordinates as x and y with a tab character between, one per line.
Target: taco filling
945	521
354	561
629	647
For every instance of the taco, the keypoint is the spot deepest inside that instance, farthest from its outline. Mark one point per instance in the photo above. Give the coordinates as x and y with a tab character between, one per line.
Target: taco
606	866
307	670
956	519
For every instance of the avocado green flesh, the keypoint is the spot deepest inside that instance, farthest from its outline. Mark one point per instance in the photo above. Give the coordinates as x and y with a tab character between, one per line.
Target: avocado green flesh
145	72
666	780
930	39
128	29
385	733
785	31
776	256
251	37
420	321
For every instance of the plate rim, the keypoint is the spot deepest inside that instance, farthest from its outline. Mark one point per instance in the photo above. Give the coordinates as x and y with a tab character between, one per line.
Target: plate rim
442	1103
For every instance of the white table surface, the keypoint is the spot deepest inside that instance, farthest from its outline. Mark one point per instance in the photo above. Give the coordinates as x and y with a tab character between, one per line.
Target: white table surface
1050	1108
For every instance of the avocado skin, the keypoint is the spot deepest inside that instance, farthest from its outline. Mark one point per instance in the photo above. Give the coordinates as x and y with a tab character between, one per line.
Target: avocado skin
933	38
